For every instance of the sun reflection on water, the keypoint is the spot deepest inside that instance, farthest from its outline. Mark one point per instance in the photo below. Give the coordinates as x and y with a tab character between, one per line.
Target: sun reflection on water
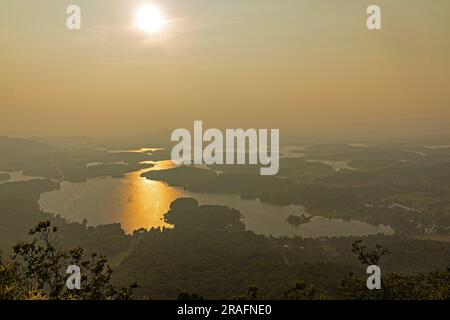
147	200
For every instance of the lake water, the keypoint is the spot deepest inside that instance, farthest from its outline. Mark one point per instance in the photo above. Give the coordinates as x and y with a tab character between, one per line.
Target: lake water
18	176
136	202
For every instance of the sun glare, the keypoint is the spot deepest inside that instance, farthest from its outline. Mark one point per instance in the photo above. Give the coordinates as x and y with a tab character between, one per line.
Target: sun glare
150	19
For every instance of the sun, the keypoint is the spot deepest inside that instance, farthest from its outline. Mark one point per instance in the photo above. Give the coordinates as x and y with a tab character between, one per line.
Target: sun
150	19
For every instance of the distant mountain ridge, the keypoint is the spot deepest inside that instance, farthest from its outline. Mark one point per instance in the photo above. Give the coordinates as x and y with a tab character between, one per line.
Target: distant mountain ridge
16	151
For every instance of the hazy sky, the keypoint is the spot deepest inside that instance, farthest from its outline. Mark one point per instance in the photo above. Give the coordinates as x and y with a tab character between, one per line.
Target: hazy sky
310	65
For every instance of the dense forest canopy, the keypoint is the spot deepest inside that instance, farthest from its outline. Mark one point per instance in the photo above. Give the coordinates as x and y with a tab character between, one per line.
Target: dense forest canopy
210	253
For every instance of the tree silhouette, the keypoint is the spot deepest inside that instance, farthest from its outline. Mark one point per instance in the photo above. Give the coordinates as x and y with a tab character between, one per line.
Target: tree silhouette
433	285
368	258
37	270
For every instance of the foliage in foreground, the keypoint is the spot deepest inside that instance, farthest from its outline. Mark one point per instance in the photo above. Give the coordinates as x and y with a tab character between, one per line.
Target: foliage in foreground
37	271
434	285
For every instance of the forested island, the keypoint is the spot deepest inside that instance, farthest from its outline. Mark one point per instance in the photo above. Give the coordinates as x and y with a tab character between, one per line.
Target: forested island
297	221
209	253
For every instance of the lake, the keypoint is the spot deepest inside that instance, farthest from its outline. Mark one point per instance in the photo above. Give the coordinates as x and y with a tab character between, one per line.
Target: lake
136	202
18	176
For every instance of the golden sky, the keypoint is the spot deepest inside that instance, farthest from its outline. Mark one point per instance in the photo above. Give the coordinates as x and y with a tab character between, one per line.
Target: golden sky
294	64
